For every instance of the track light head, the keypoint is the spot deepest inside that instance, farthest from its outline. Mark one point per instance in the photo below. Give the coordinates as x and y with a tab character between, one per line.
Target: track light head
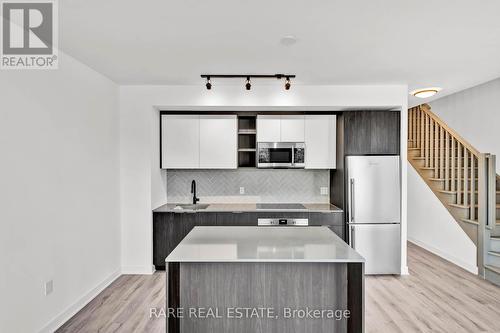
209	84
287	83
248	85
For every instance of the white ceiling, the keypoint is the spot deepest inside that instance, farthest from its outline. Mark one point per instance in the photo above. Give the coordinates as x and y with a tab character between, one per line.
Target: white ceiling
453	44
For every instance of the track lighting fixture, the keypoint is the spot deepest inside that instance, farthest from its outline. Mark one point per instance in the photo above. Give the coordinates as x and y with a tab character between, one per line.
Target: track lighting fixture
248	84
287	83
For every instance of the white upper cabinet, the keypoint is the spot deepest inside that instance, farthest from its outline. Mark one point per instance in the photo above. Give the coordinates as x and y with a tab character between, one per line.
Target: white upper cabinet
218	142
199	142
268	128
276	128
180	141
292	128
320	138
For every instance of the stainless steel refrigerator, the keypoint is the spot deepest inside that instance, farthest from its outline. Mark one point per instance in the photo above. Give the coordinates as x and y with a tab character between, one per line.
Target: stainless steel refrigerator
374	211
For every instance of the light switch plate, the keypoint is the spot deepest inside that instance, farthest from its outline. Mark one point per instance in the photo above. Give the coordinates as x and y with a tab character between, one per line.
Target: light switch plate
323	190
242	190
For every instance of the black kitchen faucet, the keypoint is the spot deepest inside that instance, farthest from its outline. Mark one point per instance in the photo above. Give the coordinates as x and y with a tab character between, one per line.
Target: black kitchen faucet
193	191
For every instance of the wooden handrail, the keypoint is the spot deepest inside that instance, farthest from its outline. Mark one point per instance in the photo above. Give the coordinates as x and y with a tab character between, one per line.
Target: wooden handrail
427	109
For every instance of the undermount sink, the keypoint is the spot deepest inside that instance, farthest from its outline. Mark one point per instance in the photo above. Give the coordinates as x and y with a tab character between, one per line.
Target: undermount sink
192	206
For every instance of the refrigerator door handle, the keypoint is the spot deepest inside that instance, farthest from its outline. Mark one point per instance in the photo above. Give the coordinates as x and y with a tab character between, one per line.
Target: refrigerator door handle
351	200
351	237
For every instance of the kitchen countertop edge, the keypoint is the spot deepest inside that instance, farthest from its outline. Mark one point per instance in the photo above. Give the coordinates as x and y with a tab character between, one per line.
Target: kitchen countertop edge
249	208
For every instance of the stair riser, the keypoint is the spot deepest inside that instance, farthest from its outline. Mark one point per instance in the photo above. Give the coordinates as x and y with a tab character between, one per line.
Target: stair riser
448	198
495	245
476	197
413	153
427	173
441	183
436	185
418	163
492	277
460	213
493	260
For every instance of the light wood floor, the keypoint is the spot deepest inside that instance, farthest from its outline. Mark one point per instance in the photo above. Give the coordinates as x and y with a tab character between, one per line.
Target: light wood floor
436	297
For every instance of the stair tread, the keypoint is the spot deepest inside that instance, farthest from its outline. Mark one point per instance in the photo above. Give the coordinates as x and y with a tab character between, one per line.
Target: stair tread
432	178
447	192
459	206
493	268
461	191
497	206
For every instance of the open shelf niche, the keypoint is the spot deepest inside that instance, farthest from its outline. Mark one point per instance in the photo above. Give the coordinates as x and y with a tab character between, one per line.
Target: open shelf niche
247	141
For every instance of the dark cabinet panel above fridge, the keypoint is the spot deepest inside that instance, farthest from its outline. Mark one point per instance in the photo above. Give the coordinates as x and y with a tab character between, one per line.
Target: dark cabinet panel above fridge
372	133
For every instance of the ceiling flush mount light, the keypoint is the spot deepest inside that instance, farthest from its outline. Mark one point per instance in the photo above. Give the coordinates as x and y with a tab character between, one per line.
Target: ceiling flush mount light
425	92
248	77
288	40
248	85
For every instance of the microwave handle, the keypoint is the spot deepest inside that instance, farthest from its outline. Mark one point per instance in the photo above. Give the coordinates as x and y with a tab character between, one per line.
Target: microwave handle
293	156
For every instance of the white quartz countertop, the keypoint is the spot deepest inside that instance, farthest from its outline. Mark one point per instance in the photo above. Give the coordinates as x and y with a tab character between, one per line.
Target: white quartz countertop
263	244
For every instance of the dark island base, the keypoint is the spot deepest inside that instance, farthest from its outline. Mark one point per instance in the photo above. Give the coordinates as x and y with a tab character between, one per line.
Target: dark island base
221	287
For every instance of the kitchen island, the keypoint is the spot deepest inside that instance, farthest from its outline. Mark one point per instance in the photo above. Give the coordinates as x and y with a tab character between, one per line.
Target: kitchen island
264	279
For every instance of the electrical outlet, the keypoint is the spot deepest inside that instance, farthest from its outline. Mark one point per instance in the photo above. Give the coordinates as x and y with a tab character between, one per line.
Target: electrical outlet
49	287
323	190
242	190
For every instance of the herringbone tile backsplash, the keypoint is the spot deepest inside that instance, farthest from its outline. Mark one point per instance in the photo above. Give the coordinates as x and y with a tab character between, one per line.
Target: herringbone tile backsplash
280	185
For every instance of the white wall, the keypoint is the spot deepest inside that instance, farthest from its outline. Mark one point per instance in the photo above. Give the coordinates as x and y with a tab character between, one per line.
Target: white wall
142	181
59	192
431	226
475	115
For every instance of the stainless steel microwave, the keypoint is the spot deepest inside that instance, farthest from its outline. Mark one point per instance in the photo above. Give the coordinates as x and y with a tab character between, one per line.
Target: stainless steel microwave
281	155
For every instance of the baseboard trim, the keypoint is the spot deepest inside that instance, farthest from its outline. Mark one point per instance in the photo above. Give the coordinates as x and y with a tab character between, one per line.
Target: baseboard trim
451	258
64	316
139	270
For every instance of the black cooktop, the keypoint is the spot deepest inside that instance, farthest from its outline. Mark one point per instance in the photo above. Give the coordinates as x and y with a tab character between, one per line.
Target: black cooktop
280	206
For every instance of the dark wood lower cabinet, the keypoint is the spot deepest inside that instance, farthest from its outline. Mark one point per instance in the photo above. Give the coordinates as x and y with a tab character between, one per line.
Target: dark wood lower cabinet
170	228
237	219
339	230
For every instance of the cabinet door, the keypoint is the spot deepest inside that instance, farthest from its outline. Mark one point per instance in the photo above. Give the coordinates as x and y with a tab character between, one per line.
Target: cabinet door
338	230
218	142
175	230
372	132
237	219
329	219
180	141
320	138
292	128
268	128
160	251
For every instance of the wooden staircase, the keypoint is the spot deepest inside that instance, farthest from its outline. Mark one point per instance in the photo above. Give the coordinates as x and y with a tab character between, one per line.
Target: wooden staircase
463	179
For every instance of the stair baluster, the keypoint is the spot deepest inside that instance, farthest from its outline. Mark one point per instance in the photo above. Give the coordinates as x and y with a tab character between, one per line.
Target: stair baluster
453	163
